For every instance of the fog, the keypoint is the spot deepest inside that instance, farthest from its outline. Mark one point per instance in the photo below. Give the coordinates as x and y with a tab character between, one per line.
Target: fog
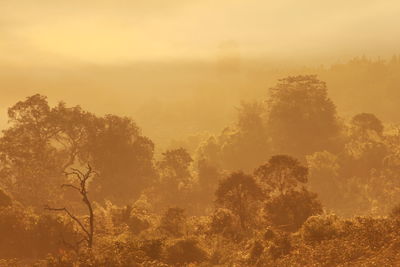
60	48
124	31
199	133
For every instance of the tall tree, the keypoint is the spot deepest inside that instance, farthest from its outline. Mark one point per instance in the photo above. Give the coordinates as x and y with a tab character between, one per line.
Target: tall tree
365	123
31	166
246	145
290	203
175	178
82	188
122	155
302	119
366	147
282	173
239	193
289	211
42	142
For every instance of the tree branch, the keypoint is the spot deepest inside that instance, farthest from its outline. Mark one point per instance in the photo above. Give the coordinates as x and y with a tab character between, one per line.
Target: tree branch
72	186
78	172
71	216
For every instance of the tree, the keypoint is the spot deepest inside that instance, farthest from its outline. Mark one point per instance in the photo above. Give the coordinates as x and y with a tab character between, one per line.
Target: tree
290	210
175	166
185	251
282	173
239	193
31	166
366	147
302	119
290	203
173	222
245	144
224	222
83	178
43	141
367	123
324	179
175	177
123	157
210	150
208	176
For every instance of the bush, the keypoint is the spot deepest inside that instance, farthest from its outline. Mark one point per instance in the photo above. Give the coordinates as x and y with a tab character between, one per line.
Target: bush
224	222
153	248
5	199
25	235
185	251
395	212
15	227
256	251
129	216
280	246
173	222
290	210
318	228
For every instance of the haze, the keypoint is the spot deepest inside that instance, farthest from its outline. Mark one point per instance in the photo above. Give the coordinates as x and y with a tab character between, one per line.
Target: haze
199	133
125	31
105	55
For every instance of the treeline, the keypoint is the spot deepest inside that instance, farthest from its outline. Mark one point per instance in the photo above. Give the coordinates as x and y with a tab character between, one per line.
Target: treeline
165	98
265	190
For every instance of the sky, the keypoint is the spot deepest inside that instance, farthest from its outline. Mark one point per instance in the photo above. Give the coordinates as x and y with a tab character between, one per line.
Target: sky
122	31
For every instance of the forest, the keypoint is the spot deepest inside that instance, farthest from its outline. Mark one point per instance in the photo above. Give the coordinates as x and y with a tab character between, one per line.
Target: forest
288	182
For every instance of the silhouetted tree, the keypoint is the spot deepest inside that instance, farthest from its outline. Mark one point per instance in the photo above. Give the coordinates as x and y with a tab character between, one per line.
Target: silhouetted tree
123	157
324	179
175	166
366	122
175	178
302	119
290	204
31	167
208	177
239	193
249	137
366	147
42	142
282	173
83	178
291	209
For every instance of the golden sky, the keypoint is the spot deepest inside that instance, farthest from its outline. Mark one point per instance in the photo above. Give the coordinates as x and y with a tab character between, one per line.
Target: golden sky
119	31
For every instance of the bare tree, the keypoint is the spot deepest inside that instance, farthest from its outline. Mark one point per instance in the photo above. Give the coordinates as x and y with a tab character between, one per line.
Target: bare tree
83	178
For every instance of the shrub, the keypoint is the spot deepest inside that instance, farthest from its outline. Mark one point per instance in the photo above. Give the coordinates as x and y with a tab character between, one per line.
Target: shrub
5	199
395	212
129	216
25	234
153	248
224	222
280	246
185	251
269	234
318	228
256	251
173	222
290	210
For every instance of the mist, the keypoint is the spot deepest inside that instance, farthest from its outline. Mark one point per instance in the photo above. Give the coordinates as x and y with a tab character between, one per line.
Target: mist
199	133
